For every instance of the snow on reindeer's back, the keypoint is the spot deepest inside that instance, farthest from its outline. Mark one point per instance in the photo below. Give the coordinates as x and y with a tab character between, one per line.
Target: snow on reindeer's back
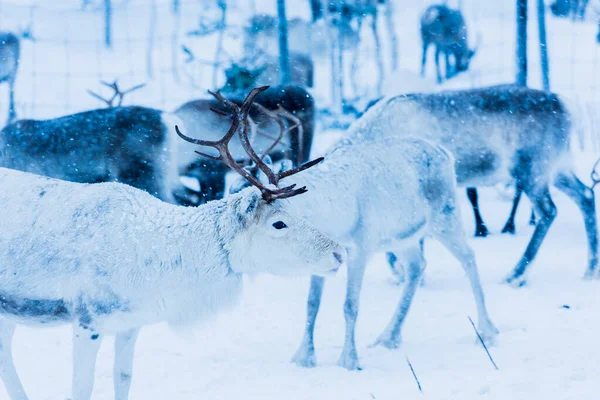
59	223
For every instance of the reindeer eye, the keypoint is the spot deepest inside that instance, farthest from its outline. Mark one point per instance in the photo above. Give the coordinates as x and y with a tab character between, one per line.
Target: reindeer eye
279	225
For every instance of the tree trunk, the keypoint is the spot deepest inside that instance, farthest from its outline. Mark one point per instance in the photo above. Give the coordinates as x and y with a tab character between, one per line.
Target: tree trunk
151	35
522	42
176	6
217	59
391	28
175	49
284	54
107	23
541	13
378	59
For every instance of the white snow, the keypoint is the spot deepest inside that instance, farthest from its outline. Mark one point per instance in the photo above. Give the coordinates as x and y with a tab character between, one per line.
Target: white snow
548	347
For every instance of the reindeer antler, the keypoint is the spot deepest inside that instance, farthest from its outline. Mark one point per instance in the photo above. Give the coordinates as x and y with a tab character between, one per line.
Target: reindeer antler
240	117
118	94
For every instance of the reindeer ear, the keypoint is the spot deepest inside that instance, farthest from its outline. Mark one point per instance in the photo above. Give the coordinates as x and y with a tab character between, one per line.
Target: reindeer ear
268	160
246	208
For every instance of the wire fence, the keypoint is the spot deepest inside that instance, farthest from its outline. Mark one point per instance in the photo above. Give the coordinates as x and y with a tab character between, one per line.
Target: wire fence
67	54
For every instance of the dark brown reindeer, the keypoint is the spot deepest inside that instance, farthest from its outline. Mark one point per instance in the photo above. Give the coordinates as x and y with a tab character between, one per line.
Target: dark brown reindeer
10	50
575	8
291	105
129	144
445	28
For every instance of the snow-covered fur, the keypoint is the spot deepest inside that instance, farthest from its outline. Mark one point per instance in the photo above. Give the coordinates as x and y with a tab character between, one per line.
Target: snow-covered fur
384	195
109	259
133	145
497	134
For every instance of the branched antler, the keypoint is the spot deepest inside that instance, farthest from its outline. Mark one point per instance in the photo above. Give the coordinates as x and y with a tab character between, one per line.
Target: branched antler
117	95
240	124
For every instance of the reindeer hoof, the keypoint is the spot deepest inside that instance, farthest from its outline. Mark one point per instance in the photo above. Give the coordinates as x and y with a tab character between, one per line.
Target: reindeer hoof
488	332
591	274
349	361
481	231
305	357
516	281
509	228
387	342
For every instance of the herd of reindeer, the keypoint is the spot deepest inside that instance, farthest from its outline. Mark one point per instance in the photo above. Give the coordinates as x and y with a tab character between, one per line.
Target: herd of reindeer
99	232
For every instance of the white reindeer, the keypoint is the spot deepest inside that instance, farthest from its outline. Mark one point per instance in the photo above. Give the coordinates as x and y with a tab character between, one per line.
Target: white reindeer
383	195
109	259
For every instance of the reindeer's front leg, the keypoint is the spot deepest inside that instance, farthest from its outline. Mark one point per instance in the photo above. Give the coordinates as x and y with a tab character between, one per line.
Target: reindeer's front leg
9	376
85	350
124	348
305	356
437	64
356	272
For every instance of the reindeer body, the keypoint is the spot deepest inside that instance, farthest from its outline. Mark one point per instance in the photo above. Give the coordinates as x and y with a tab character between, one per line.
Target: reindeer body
198	117
109	259
446	29
497	134
384	194
133	145
10	52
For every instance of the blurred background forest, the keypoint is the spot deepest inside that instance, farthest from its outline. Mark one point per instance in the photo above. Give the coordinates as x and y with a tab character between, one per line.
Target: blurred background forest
181	48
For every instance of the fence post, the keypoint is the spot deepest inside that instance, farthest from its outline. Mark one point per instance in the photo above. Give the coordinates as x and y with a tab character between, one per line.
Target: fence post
522	42
107	22
284	54
541	11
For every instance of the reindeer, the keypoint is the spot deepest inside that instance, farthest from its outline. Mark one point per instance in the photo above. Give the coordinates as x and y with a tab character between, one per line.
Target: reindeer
381	194
498	134
564	8
446	29
10	50
110	259
132	145
290	103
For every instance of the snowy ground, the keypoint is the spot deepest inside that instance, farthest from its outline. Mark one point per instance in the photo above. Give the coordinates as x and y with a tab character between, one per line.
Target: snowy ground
548	345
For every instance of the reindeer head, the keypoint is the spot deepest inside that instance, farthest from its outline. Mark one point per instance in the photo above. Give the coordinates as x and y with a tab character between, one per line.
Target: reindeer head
257	228
238	77
465	54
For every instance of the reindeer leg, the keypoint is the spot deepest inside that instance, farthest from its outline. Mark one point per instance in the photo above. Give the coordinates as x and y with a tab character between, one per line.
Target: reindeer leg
124	348
509	227
584	197
85	350
545	208
397	270
437	65
8	373
424	58
455	242
480	228
12	113
415	265
305	356
356	271
449	68
532	217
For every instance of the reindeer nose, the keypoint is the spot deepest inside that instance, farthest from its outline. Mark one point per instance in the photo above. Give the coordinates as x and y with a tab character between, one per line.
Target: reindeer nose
338	257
